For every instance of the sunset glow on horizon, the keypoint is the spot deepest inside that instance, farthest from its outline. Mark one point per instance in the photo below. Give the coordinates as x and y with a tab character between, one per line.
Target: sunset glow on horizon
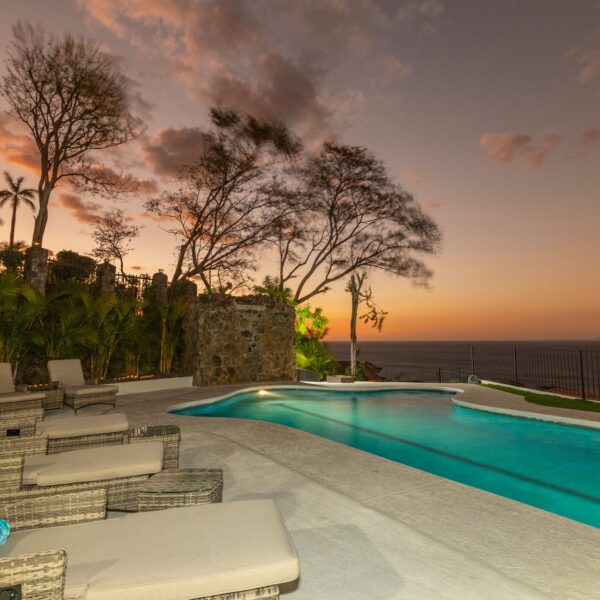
489	113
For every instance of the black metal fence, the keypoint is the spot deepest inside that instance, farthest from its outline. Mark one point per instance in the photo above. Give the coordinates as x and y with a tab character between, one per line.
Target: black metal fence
570	371
132	285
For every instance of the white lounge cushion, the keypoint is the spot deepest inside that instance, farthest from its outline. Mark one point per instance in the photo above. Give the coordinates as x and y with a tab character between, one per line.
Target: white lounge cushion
175	554
75	425
6	378
93	464
88	390
68	371
7	397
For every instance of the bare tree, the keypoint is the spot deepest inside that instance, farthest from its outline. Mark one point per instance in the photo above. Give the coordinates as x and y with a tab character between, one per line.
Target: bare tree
74	101
113	238
226	207
374	314
349	216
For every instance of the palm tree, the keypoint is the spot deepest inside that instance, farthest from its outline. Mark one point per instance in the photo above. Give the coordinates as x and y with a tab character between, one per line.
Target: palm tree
15	195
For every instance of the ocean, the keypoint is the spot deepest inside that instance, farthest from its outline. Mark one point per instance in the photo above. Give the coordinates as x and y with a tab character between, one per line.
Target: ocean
562	366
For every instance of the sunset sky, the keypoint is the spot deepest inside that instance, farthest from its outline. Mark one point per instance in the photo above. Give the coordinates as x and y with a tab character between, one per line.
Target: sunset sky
487	111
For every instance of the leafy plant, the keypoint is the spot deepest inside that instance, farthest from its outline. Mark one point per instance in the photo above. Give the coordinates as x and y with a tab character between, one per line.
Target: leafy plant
12	258
21	308
66	324
171	318
311	352
113	320
71	266
270	287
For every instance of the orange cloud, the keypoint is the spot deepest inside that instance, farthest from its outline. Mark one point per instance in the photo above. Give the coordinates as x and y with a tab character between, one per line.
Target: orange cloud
502	148
589	137
83	211
17	149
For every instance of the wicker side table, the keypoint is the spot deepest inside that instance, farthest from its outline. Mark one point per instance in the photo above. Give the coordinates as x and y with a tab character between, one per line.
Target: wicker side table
171	438
171	489
54	396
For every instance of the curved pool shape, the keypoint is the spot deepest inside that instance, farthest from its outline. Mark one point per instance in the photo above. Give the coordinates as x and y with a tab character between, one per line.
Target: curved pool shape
553	467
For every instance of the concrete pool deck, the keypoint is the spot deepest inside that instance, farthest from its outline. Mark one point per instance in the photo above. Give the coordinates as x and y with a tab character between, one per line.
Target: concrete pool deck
366	527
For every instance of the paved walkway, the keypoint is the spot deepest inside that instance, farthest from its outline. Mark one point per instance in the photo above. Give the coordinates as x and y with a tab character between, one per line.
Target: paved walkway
368	528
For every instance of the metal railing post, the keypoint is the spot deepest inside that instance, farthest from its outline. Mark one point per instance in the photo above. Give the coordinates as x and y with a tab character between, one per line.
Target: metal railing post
515	365
581	374
472	360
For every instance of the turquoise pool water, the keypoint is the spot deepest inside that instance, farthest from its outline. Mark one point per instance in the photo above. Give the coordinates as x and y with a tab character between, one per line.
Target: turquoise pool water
553	467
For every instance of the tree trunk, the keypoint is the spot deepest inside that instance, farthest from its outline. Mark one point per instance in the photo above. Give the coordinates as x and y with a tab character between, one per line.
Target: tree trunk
42	217
354	287
13	222
353	318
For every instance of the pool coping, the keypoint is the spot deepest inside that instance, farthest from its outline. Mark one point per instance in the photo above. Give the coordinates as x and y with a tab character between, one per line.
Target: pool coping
303	386
473	397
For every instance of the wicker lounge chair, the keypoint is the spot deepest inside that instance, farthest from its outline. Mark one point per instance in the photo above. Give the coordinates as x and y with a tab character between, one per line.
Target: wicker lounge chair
13	403
74	432
69	374
61	434
121	470
238	550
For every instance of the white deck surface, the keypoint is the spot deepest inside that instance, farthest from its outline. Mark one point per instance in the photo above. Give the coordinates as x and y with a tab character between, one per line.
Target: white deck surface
368	528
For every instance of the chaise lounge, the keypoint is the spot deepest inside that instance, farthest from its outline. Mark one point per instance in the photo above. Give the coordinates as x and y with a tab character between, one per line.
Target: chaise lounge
239	550
120	469
69	374
22	407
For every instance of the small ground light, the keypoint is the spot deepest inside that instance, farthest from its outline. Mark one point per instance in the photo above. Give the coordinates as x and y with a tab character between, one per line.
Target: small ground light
262	392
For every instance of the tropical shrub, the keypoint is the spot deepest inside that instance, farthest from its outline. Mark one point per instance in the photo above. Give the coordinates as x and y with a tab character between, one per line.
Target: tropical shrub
21	308
311	352
71	266
12	259
112	335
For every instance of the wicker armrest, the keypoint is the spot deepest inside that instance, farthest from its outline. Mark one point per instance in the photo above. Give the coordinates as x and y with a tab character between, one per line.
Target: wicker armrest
50	511
11	474
39	575
170	435
23	420
23	445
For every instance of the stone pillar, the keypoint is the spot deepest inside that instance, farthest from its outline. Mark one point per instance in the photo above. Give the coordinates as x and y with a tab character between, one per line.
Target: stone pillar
160	284
239	340
36	268
105	277
185	288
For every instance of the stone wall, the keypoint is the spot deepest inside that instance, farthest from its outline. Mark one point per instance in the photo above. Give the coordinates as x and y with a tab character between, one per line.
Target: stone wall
239	339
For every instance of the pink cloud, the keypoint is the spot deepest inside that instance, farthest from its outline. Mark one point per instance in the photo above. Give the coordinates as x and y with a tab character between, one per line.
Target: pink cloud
589	137
167	150
503	148
414	175
16	148
587	58
83	211
244	53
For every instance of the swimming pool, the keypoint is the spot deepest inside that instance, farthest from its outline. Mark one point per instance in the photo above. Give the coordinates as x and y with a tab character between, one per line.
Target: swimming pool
553	467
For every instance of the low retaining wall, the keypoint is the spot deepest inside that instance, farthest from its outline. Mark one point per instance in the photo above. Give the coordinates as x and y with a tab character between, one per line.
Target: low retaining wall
141	386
